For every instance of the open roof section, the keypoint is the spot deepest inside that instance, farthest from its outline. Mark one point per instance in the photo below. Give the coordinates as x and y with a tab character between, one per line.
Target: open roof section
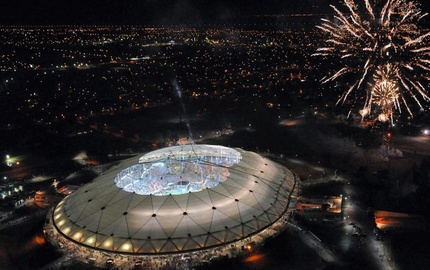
178	170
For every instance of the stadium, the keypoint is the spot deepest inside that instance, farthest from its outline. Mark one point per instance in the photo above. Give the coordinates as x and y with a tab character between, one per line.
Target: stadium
173	205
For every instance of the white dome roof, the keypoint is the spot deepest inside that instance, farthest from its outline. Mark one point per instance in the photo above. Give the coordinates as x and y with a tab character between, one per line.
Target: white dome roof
251	196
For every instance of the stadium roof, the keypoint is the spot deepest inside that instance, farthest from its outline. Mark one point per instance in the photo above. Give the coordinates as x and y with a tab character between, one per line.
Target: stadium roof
250	196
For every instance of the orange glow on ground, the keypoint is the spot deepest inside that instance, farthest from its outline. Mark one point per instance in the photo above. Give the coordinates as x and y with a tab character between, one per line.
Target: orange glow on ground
32	243
40	240
253	258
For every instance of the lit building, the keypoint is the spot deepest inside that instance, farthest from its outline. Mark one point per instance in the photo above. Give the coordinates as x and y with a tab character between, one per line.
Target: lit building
177	200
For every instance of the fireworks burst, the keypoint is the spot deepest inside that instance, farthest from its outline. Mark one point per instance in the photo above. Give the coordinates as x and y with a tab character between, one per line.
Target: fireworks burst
379	43
384	93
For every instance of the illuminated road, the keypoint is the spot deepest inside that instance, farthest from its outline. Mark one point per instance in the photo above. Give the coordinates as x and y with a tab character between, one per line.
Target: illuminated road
419	145
359	220
356	219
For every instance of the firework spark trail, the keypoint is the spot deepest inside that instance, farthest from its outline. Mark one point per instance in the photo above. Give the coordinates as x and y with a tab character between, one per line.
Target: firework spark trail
369	9
418	40
374	35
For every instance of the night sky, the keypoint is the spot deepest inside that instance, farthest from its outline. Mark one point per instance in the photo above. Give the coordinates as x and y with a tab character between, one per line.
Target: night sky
145	11
167	12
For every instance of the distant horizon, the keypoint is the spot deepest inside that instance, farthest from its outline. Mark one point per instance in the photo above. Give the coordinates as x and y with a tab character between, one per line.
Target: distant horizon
297	16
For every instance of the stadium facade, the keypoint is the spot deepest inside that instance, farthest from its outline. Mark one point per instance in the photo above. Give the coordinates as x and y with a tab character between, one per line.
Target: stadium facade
176	200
